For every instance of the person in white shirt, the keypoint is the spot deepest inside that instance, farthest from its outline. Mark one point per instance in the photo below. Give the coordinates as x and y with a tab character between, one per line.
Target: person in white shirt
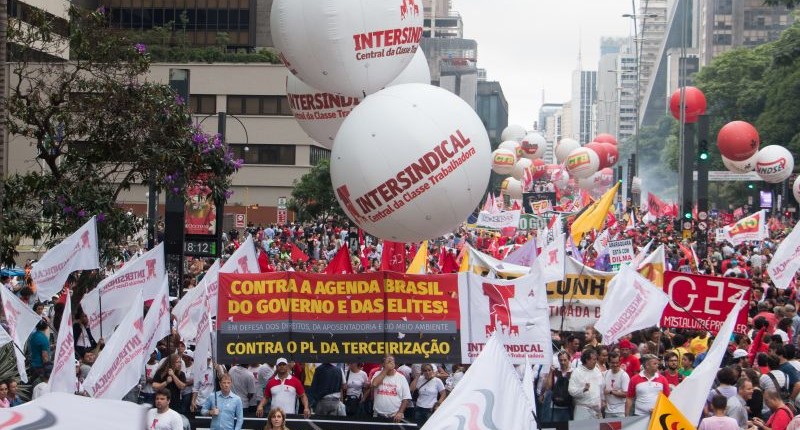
586	387
616	387
392	394
162	417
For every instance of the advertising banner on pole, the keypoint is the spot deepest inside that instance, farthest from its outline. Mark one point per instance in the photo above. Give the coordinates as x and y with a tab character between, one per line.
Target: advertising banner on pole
700	302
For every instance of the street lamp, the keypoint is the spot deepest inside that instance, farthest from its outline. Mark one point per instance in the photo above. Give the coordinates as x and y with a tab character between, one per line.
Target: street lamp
637	99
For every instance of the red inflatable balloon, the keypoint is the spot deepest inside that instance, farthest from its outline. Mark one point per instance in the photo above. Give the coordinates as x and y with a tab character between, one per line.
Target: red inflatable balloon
600	149
738	140
695	104
612	154
606	138
538	169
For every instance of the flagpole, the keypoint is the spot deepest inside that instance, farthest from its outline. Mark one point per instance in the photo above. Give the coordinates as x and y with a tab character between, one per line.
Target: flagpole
100	302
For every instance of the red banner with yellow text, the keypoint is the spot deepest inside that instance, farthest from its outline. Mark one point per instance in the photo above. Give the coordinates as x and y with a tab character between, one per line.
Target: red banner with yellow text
700	302
338	318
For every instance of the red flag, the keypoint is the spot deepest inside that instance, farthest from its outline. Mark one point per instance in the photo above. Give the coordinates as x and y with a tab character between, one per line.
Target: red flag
516	206
655	206
449	265
340	264
393	256
363	258
263	262
297	254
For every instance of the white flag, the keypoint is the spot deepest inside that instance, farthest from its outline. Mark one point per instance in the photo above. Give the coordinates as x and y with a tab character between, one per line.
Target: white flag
243	260
518	308
528	386
119	366
600	244
643	253
115	293
786	261
156	323
552	259
4	337
202	351
22	322
691	394
486	402
63	378
190	309
77	252
631	303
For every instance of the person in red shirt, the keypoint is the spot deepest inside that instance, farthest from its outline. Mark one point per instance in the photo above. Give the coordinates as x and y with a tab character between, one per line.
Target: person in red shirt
781	415
671	372
628	362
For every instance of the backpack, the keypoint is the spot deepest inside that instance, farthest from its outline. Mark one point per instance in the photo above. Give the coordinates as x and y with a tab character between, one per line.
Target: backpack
561	395
786	395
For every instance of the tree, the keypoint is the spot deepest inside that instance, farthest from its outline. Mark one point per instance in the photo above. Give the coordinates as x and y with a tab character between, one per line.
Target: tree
97	128
312	196
788	3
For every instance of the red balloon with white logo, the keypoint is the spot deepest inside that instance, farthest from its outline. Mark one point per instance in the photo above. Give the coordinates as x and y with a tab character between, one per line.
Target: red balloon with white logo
350	47
695	102
582	163
606	138
503	161
774	164
738	140
538	169
412	179
532	146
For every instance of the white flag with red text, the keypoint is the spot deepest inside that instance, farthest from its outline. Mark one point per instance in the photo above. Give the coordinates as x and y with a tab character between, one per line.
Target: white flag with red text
62	377
202	350
189	310
115	293
77	252
552	259
490	396
631	303
118	368
156	323
22	322
786	261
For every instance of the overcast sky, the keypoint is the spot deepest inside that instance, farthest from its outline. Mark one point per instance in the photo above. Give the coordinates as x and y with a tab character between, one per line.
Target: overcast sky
531	45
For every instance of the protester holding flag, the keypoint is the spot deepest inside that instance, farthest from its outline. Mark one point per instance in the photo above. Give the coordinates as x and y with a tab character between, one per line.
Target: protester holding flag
224	407
170	376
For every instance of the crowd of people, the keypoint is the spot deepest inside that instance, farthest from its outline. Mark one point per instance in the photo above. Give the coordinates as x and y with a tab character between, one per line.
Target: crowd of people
757	385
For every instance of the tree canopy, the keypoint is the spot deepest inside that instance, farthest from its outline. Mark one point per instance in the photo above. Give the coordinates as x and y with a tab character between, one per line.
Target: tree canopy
312	196
97	128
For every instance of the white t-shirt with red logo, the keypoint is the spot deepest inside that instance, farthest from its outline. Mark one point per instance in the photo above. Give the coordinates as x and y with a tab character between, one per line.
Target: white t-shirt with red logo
389	395
169	420
645	391
284	393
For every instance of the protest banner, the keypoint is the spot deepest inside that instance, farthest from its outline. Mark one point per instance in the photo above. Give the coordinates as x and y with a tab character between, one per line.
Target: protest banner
700	302
577	298
753	227
499	220
338	318
517	308
620	251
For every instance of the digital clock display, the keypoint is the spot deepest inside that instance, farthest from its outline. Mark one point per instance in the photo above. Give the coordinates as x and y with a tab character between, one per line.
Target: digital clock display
200	248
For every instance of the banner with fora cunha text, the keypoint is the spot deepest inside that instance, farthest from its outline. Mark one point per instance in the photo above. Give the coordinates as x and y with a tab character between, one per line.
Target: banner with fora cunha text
338	318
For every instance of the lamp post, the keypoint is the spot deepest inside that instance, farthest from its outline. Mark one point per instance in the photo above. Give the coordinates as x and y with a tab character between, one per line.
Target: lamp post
637	100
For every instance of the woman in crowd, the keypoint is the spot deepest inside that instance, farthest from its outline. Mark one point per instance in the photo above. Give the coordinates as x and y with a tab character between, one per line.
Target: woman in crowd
431	394
276	420
170	377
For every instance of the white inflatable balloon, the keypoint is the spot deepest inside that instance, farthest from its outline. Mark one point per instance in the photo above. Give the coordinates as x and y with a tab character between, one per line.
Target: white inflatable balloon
512	188
513	132
774	164
417	71
350	47
740	167
533	146
564	147
519	169
318	113
560	178
511	145
410	162
796	189
503	161
582	163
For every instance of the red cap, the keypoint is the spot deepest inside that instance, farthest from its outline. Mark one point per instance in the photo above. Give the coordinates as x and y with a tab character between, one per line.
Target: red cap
626	344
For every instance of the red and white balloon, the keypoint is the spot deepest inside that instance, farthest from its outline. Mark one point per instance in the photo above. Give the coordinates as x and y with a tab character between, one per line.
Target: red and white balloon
532	146
503	161
564	147
774	164
738	140
582	163
523	165
740	167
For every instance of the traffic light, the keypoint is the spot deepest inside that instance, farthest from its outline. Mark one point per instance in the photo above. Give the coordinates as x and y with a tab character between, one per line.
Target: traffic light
751	186
687	215
702	150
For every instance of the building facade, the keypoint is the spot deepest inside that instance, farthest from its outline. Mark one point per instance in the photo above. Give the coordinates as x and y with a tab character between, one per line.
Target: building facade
492	108
584	97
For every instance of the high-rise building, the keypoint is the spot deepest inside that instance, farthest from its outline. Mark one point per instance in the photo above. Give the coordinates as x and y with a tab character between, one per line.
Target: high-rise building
441	21
492	108
611	75
550	126
728	24
584	96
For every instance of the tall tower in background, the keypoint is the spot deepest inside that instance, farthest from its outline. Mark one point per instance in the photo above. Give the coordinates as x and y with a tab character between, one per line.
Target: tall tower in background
584	96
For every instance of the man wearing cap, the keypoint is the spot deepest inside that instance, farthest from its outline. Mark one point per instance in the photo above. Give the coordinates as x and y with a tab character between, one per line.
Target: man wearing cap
628	362
733	271
284	389
740	358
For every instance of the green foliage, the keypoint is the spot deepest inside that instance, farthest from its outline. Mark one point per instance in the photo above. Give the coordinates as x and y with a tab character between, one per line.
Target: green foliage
312	196
787	3
97	128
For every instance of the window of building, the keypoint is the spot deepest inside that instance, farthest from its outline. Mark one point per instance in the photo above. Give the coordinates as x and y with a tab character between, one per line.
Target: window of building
203	103
318	154
283	155
259	105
